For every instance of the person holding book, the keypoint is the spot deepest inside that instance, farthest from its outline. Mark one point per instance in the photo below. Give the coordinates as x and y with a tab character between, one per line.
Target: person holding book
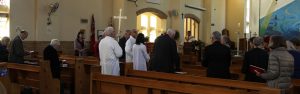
255	59
280	67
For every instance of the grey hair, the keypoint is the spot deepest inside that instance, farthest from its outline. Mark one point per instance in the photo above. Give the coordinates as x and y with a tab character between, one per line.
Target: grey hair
5	41
171	32
216	36
108	31
258	41
23	32
54	42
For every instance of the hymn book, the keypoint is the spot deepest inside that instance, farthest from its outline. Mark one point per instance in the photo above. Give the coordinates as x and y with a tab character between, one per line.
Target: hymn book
254	69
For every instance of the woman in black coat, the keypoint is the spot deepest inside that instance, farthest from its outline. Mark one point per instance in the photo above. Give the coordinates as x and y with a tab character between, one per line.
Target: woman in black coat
257	57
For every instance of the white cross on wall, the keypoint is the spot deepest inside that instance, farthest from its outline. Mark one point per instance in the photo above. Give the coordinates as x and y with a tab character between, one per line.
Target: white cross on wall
120	18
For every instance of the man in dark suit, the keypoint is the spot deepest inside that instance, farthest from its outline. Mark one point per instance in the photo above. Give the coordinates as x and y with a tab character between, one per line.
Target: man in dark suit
165	57
217	58
122	43
50	53
258	57
17	52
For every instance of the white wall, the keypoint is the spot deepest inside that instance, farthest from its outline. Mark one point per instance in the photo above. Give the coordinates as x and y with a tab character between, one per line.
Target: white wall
31	15
254	16
218	15
22	13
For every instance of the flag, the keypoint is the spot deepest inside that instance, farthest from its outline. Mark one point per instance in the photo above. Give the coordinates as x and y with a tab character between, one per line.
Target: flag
92	37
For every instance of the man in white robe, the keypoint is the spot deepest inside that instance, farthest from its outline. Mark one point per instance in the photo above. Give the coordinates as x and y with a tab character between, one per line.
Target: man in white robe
109	52
129	45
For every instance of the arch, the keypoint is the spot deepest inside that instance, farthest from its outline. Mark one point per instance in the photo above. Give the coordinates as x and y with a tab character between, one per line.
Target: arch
192	23
192	16
157	12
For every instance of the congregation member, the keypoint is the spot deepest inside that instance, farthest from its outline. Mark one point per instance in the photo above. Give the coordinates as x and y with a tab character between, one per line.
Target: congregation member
51	54
225	41
189	37
296	54
266	43
17	52
122	43
251	42
4	49
140	55
110	52
79	45
129	44
280	67
165	57
217	58
226	36
255	57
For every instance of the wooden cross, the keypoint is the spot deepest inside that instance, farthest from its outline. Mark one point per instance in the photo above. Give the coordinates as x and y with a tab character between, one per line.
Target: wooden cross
120	18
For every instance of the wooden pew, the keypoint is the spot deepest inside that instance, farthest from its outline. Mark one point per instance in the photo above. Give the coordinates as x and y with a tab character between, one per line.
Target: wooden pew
24	74
199	70
37	77
296	83
48	85
220	84
195	70
105	84
7	83
68	73
83	69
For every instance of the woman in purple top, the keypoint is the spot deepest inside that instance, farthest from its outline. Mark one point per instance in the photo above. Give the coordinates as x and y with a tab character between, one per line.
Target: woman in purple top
79	45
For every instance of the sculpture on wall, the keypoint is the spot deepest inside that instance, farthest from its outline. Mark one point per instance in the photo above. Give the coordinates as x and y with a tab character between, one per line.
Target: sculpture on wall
52	9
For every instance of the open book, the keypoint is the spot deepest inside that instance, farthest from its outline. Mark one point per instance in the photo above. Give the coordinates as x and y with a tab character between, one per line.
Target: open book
253	68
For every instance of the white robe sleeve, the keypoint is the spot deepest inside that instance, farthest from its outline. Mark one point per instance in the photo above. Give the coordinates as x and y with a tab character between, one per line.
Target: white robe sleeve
118	50
128	47
145	54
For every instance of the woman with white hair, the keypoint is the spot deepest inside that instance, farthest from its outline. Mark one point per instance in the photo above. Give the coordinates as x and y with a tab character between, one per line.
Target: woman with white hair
4	49
110	52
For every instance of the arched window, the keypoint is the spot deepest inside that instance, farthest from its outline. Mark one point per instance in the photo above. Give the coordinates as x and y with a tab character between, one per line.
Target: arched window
4	18
150	25
191	24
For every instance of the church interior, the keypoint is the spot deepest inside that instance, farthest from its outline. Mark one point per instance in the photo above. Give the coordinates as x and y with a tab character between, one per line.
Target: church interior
196	25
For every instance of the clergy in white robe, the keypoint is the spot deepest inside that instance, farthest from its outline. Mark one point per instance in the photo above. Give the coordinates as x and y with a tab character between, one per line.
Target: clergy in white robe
129	44
110	51
140	55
